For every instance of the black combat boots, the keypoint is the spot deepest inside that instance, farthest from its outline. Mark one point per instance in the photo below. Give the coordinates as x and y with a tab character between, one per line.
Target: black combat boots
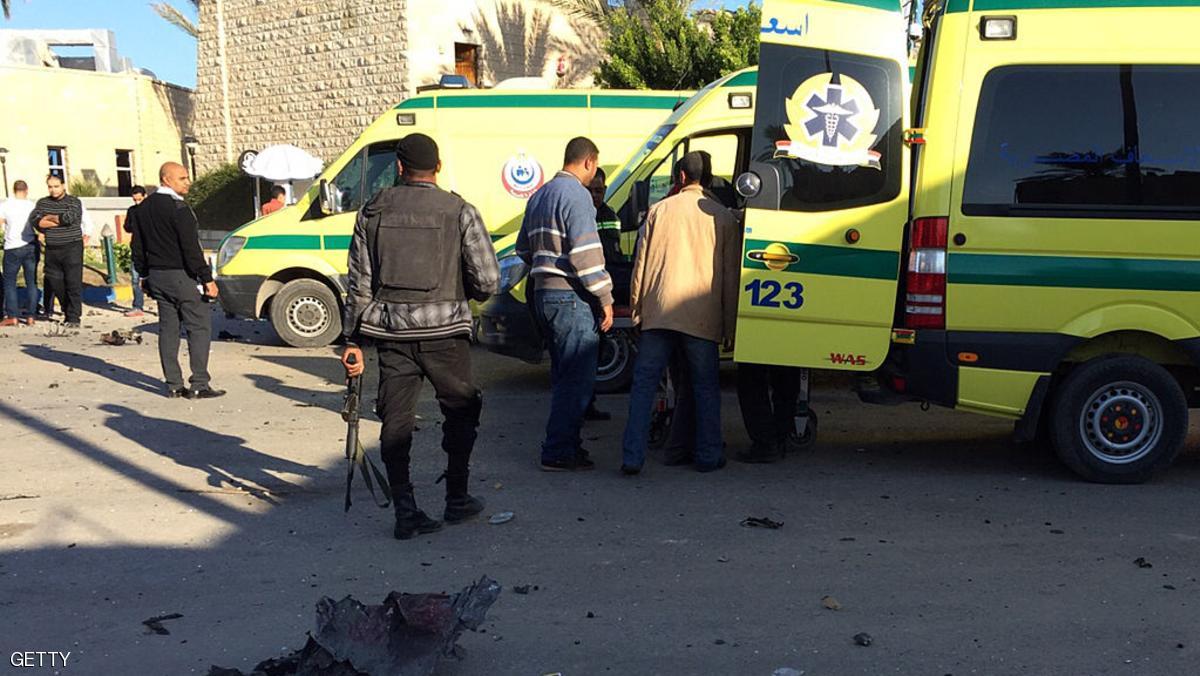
460	505
411	521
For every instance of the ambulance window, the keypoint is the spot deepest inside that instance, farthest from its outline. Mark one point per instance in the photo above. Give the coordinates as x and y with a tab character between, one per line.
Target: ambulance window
369	172
830	122
661	179
1086	141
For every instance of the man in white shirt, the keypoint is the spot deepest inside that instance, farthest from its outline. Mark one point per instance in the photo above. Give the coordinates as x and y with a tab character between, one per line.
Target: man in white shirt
20	253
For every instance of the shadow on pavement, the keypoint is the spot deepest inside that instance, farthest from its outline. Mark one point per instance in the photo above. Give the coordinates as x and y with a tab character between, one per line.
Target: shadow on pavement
118	374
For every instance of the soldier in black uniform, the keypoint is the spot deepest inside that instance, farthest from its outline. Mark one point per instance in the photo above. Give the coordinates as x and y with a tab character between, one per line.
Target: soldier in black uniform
418	254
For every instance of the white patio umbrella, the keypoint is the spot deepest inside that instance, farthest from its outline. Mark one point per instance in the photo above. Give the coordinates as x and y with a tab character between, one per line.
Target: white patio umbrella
282	163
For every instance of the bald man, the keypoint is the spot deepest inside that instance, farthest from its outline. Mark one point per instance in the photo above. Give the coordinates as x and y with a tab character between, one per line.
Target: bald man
168	258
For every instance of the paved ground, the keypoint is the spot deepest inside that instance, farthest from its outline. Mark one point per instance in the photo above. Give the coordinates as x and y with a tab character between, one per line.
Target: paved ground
956	551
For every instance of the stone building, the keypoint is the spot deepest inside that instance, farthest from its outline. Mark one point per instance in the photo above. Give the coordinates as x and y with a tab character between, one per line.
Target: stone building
109	124
316	74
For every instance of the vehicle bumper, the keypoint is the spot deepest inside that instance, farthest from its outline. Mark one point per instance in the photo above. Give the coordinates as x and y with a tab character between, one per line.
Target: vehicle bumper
506	327
239	294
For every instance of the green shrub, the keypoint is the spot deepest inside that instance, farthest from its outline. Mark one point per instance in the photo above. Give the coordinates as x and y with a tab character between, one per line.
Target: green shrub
81	187
223	198
124	256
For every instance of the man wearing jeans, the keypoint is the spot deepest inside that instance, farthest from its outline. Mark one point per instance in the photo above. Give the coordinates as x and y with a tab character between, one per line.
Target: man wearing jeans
138	193
572	297
20	254
684	297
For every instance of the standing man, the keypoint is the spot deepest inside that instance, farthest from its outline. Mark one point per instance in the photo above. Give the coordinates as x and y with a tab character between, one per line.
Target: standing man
278	201
572	300
138	193
418	254
683	297
168	258
769	397
59	217
20	254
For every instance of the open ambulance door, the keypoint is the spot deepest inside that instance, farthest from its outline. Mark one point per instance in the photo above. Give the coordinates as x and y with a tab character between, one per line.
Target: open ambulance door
827	191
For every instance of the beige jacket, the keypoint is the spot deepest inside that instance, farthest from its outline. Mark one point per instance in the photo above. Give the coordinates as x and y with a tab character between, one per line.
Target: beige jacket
685	275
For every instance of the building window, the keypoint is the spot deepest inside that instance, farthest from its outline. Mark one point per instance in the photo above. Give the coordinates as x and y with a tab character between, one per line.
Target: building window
57	156
466	62
124	173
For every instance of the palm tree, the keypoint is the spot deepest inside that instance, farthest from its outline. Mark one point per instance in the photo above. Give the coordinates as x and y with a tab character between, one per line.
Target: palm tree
171	15
5	5
596	11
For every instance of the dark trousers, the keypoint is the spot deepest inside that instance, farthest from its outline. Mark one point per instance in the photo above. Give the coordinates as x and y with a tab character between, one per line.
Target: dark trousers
446	363
64	279
768	396
21	259
568	324
180	304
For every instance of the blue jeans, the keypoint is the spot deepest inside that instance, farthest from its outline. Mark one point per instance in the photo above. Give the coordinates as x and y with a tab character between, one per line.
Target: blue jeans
139	296
15	260
703	362
568	324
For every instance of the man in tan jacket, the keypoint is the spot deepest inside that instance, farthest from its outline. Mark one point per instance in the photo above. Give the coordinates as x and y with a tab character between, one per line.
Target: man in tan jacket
684	296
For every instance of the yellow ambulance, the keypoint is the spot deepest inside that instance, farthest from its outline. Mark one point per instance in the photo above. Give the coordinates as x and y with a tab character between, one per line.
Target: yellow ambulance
1021	243
717	119
497	146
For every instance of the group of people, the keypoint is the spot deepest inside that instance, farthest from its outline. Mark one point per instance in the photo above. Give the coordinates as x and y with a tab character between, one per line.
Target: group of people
53	229
168	264
419	254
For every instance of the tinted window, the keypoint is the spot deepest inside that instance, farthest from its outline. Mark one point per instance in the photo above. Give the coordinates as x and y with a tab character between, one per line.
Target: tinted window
1078	141
369	172
831	123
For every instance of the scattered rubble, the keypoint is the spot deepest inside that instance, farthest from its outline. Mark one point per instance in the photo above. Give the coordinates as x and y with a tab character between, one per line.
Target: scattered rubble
761	522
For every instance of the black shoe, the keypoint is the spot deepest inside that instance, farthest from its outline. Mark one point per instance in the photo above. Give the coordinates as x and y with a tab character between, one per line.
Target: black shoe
678	457
628	470
459	508
705	469
593	414
410	521
760	455
207	393
576	464
179	393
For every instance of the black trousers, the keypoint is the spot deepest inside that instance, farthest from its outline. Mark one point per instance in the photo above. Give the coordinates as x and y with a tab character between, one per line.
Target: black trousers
63	279
180	304
447	365
768	396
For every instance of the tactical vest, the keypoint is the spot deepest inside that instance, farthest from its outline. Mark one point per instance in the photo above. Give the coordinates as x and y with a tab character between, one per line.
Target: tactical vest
415	244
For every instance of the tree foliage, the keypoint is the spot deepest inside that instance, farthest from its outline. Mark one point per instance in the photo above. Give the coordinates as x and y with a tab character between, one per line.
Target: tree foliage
661	44
173	16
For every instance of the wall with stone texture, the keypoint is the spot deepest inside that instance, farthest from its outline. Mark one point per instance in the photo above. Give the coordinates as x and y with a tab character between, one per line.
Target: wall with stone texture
316	74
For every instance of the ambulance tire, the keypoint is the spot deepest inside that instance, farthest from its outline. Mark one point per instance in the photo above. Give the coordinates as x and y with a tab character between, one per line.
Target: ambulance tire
614	372
1094	408
306	313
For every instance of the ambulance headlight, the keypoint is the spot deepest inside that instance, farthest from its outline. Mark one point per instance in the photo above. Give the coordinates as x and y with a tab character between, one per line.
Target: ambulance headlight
512	271
229	248
749	184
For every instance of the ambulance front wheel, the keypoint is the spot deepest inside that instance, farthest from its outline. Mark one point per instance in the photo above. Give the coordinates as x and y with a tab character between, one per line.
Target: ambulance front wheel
614	369
1118	419
305	313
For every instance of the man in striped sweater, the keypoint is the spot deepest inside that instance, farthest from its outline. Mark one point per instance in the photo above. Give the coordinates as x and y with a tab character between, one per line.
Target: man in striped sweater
59	217
572	297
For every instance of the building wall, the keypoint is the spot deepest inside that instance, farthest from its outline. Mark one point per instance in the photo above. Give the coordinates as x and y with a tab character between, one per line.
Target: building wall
316	74
92	115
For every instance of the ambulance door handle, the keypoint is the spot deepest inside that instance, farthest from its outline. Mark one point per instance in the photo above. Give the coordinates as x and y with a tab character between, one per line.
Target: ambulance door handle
960	239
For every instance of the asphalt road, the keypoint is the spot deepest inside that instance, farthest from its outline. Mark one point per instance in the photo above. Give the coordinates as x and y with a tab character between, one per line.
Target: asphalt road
956	551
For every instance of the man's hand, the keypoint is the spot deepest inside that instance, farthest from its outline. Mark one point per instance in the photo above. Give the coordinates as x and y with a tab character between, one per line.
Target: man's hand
606	319
48	222
356	369
210	289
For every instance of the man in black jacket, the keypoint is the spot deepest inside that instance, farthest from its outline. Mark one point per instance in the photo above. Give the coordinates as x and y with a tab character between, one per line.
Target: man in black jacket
168	258
418	253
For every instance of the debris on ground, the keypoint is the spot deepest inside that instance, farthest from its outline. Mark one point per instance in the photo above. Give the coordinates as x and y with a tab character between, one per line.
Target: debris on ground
154	624
521	589
787	671
119	338
1141	562
405	635
761	522
864	639
225	335
831	603
501	517
18	496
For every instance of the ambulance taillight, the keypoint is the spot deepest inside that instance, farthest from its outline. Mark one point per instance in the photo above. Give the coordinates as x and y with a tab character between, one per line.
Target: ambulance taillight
925	299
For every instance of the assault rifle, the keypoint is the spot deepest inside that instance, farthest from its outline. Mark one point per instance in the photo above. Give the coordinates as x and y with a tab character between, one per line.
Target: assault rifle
355	453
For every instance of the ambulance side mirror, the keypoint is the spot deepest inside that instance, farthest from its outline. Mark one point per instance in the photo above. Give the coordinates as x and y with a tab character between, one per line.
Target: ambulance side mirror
761	185
634	210
326	197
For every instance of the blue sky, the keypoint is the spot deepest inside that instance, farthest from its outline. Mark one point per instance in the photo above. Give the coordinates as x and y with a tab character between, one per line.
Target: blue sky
141	35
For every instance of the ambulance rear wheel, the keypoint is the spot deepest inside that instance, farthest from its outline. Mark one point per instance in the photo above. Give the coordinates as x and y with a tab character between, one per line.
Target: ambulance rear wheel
614	369
305	313
1119	419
